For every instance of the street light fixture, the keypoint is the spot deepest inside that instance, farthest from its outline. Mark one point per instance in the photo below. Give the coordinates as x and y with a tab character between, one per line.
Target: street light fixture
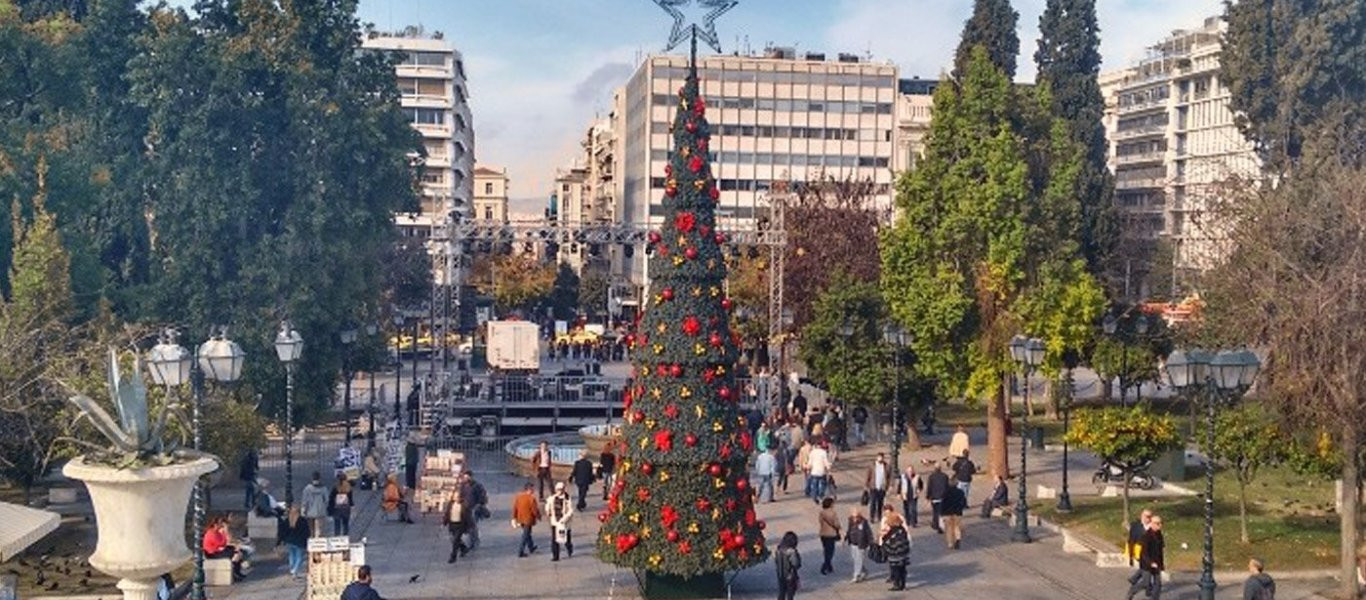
1111	326
1028	353
898	339
1220	378
289	347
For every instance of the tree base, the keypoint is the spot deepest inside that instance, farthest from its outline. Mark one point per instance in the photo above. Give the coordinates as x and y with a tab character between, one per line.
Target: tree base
660	586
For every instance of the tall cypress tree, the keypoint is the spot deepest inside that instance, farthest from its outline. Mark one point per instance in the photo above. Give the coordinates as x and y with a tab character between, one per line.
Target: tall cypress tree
991	26
1069	63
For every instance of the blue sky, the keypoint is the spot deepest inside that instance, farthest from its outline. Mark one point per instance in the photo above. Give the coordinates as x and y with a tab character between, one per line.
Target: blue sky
540	69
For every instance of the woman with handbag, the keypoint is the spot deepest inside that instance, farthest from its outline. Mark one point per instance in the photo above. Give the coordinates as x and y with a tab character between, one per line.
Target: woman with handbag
789	563
896	543
830	533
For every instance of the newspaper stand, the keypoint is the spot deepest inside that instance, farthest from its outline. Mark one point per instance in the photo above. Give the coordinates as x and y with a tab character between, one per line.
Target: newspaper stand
332	564
440	475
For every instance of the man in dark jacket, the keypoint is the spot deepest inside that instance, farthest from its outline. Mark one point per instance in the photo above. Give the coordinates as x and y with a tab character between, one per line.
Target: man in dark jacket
1150	562
1136	531
1259	585
935	489
799	407
247	472
955	501
360	588
963	469
582	477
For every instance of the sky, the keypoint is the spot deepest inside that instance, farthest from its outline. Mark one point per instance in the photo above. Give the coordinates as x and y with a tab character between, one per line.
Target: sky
540	71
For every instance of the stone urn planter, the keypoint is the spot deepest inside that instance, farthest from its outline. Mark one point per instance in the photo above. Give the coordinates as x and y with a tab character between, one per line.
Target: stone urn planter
140	519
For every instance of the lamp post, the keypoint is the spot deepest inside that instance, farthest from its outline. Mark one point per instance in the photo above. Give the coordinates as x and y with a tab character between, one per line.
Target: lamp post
371	330
171	365
1028	354
1065	497
897	338
289	346
1220	378
398	370
348	339
786	320
1111	326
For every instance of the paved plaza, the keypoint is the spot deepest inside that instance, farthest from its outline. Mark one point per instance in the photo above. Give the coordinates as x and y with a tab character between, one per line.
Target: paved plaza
410	560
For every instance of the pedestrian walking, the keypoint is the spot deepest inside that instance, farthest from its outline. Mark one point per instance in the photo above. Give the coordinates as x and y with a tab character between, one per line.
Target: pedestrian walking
818	465
247	472
955	501
782	445
526	511
607	463
362	588
1136	530
339	502
830	533
858	536
763	440
911	488
1150	562
935	488
789	563
581	475
799	406
1000	497
875	484
456	517
765	467
293	534
314	501
542	460
559	510
1259	585
896	546
479	503
963	470
959	443
860	418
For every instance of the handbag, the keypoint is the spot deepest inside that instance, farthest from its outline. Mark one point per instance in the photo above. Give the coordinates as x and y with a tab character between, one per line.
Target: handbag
863	500
877	554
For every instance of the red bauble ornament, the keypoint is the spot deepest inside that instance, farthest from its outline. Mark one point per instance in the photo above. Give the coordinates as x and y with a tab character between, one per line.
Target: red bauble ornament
750	518
603	516
714	469
664	440
724	392
691	126
740	540
702	144
709	375
668	516
676	370
699	106
690	440
662	370
654	237
715	340
726	304
647	469
684	547
704	230
715	194
668	170
685	221
691	253
720	238
640	416
762	525
671	411
746	440
672	536
671	190
742	484
667	293
643	494
724	452
703	505
695	164
730	504
691	326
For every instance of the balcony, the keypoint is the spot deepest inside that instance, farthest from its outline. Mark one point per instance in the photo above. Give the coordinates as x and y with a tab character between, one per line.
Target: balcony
424	101
434	131
1141	131
1142	106
1146	157
1141	183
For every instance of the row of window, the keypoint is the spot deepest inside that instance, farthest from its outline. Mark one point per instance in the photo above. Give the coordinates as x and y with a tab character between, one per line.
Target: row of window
756	185
822	106
433	116
751	76
795	160
796	133
430	59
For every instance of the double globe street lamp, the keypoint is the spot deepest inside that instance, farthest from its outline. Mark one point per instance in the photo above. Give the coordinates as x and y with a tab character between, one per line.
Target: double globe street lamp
898	339
1028	353
1217	379
172	366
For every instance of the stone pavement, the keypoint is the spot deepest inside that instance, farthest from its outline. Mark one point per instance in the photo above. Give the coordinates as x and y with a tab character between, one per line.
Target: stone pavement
410	560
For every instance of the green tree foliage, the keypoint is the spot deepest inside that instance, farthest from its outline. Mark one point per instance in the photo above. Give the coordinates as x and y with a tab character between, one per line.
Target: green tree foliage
564	293
1130	356
1068	58
992	27
682	503
1130	439
516	283
407	275
592	300
1245	440
1296	72
985	246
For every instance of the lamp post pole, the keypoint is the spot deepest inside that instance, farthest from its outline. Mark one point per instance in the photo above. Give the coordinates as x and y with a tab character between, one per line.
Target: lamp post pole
1064	497
197	391
398	371
1028	354
289	434
1207	584
896	337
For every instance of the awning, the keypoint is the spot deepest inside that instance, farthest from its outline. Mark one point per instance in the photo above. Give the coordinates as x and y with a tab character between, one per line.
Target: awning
21	527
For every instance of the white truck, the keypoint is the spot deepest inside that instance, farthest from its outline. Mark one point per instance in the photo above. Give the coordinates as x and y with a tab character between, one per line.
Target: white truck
514	346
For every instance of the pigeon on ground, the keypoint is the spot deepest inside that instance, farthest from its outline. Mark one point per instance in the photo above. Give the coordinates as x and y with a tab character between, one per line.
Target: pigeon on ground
414	578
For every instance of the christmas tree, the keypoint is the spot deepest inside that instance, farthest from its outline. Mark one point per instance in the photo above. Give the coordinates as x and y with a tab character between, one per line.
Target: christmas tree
682	504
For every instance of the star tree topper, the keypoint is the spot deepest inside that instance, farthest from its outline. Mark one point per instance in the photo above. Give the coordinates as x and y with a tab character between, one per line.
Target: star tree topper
706	31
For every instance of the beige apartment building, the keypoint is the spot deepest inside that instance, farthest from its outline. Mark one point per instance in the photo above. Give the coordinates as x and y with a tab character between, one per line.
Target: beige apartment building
435	94
915	102
490	194
1173	144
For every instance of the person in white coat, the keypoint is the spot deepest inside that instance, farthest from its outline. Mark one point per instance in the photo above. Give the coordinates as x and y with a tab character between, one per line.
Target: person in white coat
559	509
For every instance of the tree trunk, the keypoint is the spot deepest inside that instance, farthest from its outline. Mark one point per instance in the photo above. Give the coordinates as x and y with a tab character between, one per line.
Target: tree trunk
998	451
1107	388
1242	510
1128	476
912	434
1351	503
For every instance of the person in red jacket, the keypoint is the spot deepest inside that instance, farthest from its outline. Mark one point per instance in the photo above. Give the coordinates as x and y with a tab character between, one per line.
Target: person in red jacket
217	544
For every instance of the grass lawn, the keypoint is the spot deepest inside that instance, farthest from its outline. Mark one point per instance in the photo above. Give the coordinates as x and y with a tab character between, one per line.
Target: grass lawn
1290	522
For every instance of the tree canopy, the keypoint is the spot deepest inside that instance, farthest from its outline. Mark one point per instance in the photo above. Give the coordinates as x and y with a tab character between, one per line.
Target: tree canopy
991	27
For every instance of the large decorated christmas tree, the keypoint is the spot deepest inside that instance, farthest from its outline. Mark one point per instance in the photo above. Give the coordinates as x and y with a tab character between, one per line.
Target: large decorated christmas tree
682	504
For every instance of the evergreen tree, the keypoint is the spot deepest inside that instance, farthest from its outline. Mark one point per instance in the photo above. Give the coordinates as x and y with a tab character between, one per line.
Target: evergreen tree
682	505
1069	63
992	26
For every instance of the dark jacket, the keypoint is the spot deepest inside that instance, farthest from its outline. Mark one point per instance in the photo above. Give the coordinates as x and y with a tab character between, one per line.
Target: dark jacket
860	415
360	591
582	474
608	462
954	502
465	519
1001	495
799	405
859	535
296	535
789	563
332	501
249	467
937	485
897	545
963	470
1152	552
1259	587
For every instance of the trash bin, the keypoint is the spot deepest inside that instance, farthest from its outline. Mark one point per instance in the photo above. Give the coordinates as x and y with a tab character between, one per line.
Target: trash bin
469	427
1036	438
488	430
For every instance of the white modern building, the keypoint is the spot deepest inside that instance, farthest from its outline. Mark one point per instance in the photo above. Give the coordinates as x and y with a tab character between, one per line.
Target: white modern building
1173	144
431	78
774	117
915	103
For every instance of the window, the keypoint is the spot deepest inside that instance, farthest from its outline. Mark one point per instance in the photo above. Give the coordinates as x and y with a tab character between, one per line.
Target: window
425	59
746	103
459	123
661	100
427	116
766	104
815	107
488	189
432	177
488	211
407	86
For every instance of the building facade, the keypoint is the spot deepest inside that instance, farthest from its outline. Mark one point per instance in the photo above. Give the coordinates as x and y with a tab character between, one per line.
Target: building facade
490	194
1173	145
915	101
435	94
774	117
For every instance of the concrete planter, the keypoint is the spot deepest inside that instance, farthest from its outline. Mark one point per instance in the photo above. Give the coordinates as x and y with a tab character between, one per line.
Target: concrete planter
595	437
140	519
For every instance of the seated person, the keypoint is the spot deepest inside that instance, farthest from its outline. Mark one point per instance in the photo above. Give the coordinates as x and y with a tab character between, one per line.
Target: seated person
265	505
217	544
1000	498
393	499
369	475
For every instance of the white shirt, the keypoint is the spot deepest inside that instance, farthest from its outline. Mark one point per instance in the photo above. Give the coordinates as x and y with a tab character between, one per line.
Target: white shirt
819	462
879	476
544	458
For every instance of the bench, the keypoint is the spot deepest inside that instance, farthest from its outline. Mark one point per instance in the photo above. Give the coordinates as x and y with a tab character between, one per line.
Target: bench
1108	555
218	571
261	528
